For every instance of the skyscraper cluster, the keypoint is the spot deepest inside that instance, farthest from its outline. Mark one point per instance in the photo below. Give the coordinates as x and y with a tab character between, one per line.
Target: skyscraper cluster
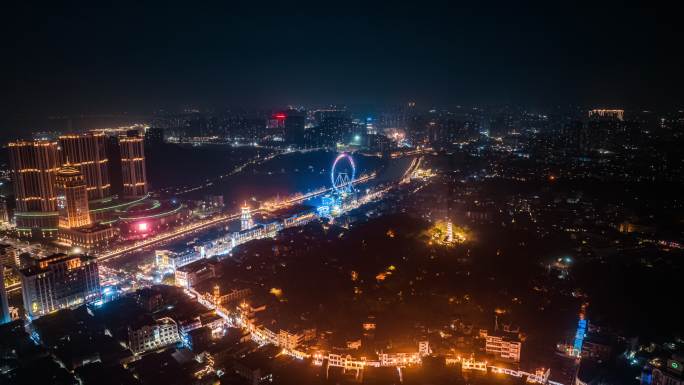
54	181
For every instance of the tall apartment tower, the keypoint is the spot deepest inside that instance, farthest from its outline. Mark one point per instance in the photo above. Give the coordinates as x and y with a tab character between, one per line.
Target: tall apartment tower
294	127
72	198
33	166
4	211
133	165
4	306
57	282
88	153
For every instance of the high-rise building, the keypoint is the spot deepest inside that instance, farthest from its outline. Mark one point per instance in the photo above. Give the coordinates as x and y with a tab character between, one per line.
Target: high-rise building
133	165
88	153
246	221
154	136
33	166
57	282
331	130
370	127
294	127
4	306
4	211
450	232
275	125
72	198
114	155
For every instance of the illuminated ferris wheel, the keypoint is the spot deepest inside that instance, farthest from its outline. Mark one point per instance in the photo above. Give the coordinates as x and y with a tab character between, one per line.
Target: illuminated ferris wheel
341	181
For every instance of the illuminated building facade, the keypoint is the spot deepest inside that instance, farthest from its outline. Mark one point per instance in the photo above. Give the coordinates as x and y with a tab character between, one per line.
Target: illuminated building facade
162	259
607	114
503	347
133	166
90	237
4	212
581	332
370	127
149	216
33	166
196	272
169	261
4	306
9	256
151	337
276	124
58	282
88	153
300	219
72	196
246	221
256	232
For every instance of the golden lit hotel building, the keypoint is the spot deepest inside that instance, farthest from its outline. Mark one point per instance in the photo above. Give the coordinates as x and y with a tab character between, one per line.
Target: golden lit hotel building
33	166
133	166
75	224
72	198
88	153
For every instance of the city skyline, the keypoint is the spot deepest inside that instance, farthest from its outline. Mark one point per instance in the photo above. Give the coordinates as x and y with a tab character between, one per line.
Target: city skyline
399	193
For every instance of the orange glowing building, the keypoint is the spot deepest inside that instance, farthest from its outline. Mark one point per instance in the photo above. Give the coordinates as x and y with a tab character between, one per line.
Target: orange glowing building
133	166
88	153
33	166
72	198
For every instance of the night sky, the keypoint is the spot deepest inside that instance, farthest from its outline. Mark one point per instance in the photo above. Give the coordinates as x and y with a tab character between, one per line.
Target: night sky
142	57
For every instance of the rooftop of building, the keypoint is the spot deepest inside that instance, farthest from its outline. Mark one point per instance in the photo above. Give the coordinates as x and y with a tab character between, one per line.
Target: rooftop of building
260	359
89	229
42	264
68	170
289	211
199	265
113	203
82	135
98	373
20	143
506	336
15	341
149	209
209	317
161	368
276	318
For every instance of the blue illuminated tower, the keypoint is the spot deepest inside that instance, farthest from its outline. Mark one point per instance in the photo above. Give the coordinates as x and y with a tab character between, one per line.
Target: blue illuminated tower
581	331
